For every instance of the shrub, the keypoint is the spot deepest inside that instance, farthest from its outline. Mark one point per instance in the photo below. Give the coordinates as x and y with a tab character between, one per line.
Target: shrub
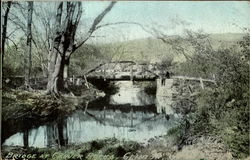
221	109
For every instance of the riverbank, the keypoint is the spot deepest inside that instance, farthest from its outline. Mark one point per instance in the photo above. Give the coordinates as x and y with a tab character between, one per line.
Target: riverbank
108	149
160	148
21	103
203	148
38	108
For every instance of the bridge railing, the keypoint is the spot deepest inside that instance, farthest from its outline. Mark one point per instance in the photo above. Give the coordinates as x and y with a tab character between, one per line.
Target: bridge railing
193	78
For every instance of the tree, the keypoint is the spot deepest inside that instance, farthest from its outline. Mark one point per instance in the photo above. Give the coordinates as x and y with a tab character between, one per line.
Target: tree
64	44
4	27
27	55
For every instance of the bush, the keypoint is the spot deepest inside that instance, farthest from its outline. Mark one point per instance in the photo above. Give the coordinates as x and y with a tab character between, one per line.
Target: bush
222	109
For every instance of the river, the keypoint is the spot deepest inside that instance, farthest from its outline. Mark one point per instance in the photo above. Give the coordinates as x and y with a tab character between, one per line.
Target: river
128	114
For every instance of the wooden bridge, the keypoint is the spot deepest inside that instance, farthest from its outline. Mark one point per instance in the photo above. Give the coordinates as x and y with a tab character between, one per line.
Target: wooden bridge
123	70
129	70
116	71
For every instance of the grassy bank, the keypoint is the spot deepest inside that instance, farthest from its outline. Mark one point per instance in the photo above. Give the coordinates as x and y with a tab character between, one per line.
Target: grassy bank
160	148
21	103
109	149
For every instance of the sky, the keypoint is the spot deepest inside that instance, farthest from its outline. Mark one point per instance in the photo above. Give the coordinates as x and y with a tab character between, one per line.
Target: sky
209	16
169	17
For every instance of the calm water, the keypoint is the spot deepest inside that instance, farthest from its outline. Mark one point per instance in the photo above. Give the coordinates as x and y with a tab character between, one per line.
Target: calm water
130	114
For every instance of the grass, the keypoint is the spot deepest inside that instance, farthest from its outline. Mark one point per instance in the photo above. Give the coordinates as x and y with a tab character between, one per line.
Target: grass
107	149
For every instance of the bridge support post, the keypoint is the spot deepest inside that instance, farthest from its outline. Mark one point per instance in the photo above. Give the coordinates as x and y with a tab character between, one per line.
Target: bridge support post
164	96
86	107
104	75
201	83
86	81
131	116
131	74
104	112
73	79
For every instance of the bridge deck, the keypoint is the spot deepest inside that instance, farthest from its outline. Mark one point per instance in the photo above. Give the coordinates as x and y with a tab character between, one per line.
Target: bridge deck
129	70
123	78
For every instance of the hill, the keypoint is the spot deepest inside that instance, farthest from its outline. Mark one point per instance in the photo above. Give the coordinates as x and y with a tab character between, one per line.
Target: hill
154	50
148	50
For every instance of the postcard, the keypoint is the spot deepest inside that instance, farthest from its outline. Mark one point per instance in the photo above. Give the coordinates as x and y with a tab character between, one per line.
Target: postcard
125	80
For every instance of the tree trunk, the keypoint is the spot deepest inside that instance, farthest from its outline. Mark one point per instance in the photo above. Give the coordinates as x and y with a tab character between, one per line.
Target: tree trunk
62	138
66	72
64	43
44	70
51	68
56	80
5	24
66	69
26	138
27	59
55	56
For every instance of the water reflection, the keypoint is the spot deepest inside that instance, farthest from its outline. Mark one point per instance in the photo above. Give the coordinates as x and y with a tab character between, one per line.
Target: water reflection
132	94
163	105
130	114
84	127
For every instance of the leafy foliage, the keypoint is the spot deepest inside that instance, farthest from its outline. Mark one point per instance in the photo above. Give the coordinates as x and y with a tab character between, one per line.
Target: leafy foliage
221	109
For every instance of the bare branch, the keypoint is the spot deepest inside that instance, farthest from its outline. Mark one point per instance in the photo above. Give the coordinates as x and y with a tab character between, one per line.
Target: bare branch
12	42
99	18
19	24
134	23
93	27
58	51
